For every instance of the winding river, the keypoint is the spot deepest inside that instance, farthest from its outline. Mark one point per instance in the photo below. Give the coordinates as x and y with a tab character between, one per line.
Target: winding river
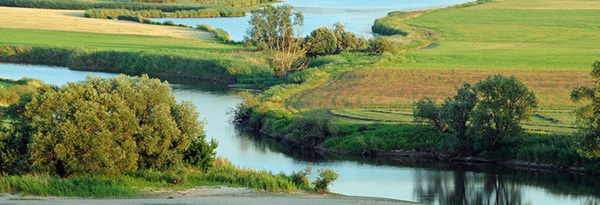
357	15
422	181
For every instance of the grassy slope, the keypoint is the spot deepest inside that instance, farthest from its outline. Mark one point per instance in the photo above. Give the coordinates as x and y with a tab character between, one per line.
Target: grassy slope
106	41
549	44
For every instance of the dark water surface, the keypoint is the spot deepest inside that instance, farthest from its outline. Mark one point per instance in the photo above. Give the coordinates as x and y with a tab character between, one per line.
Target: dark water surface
357	15
422	181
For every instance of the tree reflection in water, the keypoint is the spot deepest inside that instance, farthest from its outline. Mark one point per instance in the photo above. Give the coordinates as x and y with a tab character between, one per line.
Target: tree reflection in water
455	187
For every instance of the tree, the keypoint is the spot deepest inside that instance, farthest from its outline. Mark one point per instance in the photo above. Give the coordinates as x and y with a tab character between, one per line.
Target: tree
588	116
276	30
325	178
103	126
456	112
503	104
427	111
321	41
347	40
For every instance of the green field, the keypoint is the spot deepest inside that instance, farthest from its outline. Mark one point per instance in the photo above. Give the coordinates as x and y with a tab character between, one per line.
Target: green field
511	35
548	44
108	41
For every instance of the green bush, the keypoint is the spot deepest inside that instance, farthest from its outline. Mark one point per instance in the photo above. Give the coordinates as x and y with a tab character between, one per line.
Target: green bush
102	126
307	132
326	177
380	45
131	18
347	40
300	178
321	41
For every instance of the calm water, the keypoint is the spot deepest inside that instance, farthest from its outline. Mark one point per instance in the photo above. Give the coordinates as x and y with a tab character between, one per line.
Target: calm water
414	181
357	15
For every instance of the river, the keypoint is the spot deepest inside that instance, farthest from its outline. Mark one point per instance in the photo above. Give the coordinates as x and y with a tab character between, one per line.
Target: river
422	181
357	15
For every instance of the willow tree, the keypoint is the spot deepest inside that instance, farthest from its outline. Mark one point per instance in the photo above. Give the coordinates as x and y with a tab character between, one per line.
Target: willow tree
277	31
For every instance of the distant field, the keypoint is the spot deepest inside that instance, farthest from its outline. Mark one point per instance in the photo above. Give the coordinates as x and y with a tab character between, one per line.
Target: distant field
549	44
67	20
512	35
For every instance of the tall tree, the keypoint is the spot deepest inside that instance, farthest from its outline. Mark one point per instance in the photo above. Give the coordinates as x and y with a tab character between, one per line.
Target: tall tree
277	31
503	104
588	116
456	112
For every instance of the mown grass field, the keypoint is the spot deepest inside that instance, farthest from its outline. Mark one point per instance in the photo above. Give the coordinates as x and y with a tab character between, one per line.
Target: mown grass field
548	44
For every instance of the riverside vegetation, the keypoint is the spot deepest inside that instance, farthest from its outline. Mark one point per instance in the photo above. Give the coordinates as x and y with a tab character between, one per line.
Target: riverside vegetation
333	105
330	100
122	134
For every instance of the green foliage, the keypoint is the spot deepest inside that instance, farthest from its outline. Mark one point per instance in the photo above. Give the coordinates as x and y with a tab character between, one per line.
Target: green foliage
275	30
307	132
81	186
326	177
346	39
456	112
130	18
201	154
204	27
84	5
104	126
503	104
321	42
11	90
426	110
203	65
114	13
368	139
380	45
588	122
224	172
300	178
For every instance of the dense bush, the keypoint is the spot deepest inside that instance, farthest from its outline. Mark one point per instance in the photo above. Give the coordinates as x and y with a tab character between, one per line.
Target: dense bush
320	42
347	40
102	126
307	131
325	178
130	18
380	45
427	111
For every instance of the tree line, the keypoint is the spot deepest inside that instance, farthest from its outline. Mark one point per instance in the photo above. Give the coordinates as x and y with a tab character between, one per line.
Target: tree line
483	115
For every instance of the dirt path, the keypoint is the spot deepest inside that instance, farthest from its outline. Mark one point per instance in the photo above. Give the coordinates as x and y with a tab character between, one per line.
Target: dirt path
70	20
208	195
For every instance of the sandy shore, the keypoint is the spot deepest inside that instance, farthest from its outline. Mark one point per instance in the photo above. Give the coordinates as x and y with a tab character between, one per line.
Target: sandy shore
73	20
207	195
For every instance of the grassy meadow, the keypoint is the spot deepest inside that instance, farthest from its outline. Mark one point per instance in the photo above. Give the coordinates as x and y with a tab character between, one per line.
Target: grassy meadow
548	44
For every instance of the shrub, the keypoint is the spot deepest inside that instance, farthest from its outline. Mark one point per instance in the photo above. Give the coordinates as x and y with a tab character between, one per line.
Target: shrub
131	18
307	132
169	23
204	27
347	40
300	178
103	126
321	41
326	177
380	45
428	111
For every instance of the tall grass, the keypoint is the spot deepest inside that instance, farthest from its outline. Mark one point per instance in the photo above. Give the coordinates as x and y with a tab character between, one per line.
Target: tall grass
146	5
114	13
219	33
199	65
136	183
75	187
84	5
214	11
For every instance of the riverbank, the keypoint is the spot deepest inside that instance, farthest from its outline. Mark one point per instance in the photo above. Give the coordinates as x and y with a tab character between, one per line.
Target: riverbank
213	195
369	106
